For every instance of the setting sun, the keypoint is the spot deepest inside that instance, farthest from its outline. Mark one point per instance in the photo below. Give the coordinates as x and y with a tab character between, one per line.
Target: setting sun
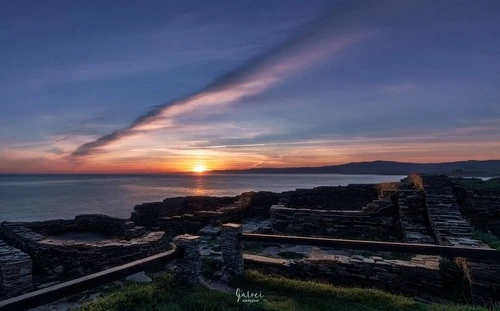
199	168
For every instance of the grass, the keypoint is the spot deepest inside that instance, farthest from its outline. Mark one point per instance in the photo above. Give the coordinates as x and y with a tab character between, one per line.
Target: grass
487	237
416	181
279	294
489	187
388	186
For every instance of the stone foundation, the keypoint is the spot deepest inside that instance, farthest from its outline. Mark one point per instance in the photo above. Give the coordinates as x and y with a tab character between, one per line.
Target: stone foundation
483	212
350	197
396	276
15	271
63	258
378	225
451	228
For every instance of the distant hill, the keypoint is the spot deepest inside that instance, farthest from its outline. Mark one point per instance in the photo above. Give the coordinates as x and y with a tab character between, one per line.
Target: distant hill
461	168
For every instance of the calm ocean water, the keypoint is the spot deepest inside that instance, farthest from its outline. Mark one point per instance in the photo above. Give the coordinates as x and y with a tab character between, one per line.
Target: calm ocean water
40	197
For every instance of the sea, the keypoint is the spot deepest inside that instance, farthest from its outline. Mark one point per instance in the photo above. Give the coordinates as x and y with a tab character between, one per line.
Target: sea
42	197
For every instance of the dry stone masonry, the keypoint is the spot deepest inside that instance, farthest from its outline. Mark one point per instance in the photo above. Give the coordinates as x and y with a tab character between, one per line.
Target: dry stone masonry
232	250
423	210
350	197
380	225
188	268
15	271
413	217
482	211
451	228
57	256
396	276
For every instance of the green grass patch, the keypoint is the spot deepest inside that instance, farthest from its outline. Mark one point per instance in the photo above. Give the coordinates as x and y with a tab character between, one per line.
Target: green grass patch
487	237
278	293
165	294
489	187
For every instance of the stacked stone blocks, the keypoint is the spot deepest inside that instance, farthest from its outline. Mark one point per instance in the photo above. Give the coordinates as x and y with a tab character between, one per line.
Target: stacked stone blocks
232	250
15	271
188	268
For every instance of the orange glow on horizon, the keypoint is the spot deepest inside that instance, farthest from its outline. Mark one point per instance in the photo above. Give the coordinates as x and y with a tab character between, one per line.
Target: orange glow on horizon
199	168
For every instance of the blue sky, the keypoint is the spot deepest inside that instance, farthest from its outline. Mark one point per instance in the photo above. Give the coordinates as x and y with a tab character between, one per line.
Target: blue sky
115	86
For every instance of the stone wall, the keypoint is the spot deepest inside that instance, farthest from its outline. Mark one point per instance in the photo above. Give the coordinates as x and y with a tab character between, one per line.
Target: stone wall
104	224
396	276
188	268
483	212
351	197
378	225
189	214
258	203
15	271
60	258
451	228
413	217
146	214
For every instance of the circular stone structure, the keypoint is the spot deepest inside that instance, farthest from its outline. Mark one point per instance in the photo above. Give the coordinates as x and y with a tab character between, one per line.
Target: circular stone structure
88	243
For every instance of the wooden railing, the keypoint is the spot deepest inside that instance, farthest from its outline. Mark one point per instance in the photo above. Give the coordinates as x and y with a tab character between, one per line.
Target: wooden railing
59	291
422	249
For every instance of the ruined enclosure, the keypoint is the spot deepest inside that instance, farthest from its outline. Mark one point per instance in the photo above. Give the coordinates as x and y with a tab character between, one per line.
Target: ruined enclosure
88	243
421	210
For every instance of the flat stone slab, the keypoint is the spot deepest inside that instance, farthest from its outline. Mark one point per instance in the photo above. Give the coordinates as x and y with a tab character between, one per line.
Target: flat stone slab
264	259
139	277
82	237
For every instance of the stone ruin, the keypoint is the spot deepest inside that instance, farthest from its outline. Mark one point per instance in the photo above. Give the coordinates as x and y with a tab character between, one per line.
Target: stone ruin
15	271
180	215
426	210
64	249
427	213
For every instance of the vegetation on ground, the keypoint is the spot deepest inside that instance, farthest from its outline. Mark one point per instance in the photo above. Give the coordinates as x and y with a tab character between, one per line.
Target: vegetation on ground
487	237
490	187
416	181
388	186
278	293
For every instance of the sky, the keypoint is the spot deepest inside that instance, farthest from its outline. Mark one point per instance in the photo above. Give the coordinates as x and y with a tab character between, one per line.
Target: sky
179	86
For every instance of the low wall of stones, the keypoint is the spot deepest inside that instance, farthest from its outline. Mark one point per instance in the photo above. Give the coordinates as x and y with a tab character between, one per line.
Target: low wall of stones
483	212
451	228
63	259
247	204
104	224
396	276
413	217
351	197
258	203
15	271
380	225
147	213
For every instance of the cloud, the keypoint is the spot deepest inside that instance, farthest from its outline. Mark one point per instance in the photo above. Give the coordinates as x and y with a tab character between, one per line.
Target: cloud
327	37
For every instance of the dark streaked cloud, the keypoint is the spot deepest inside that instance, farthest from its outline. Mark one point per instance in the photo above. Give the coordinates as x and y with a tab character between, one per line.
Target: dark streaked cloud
410	80
332	33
